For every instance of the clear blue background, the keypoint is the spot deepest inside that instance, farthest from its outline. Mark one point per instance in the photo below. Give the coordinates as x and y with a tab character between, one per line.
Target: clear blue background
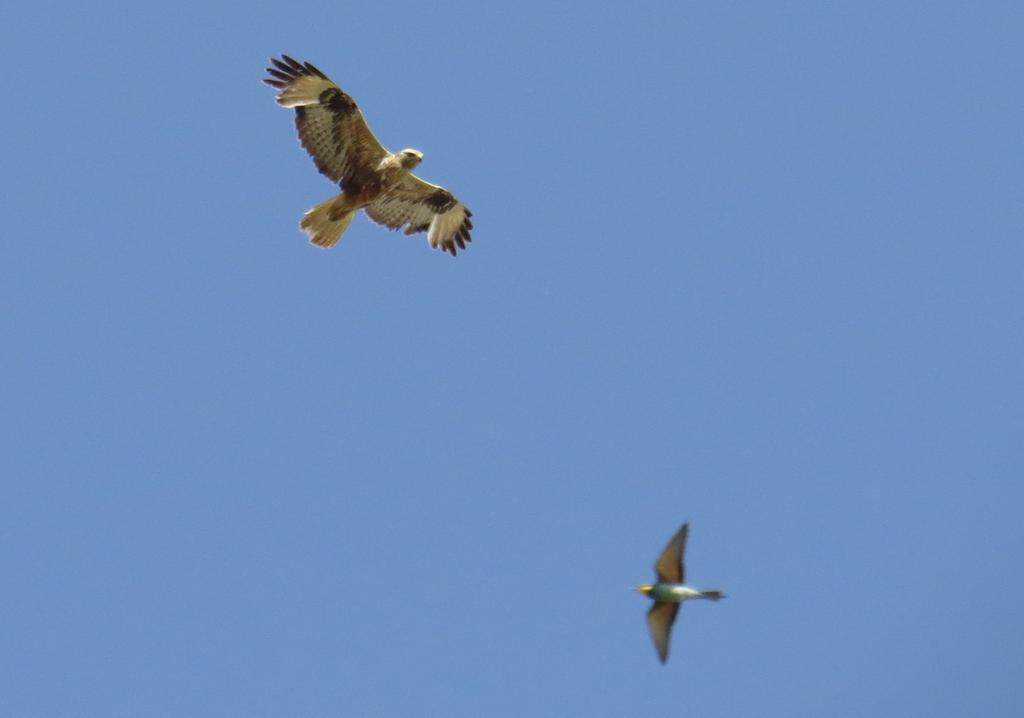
753	265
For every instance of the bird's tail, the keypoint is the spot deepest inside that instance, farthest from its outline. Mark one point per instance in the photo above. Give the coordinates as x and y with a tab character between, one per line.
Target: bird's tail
325	223
712	595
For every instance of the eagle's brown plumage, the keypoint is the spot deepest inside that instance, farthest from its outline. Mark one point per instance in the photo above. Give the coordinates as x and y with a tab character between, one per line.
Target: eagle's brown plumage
334	132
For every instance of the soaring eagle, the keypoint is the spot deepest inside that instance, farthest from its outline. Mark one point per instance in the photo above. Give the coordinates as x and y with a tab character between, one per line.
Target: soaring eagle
334	132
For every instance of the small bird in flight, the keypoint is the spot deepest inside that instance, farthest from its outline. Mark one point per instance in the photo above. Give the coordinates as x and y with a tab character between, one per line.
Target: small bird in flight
381	183
669	591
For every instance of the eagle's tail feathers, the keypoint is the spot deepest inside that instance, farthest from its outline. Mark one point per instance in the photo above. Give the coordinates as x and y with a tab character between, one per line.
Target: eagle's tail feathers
325	223
712	595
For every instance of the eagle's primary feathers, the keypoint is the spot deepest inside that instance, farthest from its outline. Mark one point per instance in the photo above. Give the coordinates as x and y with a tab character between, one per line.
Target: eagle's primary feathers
334	132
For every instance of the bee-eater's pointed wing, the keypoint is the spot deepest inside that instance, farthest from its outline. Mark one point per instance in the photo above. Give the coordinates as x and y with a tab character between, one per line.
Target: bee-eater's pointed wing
659	620
670	564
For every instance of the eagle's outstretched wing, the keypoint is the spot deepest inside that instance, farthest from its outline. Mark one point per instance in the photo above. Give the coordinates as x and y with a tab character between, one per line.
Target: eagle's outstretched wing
419	206
331	127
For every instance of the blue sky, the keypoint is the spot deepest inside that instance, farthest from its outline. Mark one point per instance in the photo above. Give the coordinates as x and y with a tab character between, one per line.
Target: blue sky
753	265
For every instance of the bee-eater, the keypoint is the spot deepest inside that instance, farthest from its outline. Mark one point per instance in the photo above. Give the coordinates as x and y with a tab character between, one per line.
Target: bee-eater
669	591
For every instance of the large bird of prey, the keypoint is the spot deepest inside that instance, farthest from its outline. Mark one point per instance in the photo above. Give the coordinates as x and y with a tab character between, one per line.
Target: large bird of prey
334	132
669	592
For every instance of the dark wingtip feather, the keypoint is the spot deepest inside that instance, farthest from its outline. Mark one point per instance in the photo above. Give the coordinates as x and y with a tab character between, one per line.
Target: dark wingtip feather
287	69
292	62
281	66
312	68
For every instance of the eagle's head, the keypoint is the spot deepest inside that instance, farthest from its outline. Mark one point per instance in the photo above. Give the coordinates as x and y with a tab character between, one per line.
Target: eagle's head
409	158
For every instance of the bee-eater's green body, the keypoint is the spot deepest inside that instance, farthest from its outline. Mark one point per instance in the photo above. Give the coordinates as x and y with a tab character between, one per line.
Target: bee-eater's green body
670	591
673	592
